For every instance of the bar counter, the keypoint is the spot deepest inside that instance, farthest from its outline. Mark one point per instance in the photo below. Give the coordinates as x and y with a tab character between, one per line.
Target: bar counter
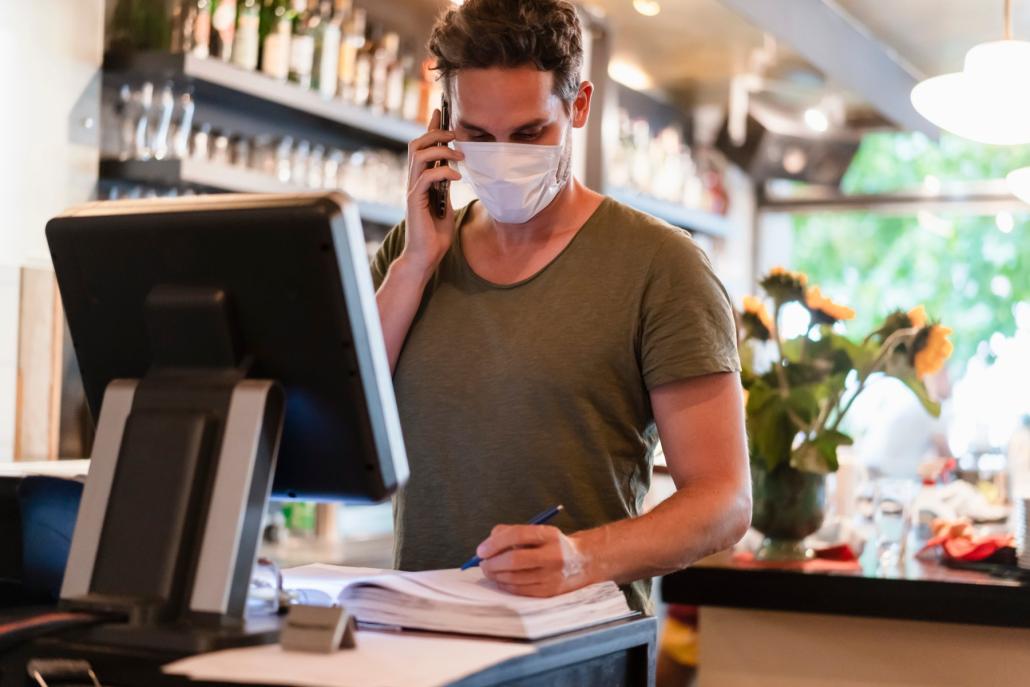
921	624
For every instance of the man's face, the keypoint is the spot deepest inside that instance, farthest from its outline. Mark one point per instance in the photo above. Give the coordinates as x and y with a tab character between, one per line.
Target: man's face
516	105
507	106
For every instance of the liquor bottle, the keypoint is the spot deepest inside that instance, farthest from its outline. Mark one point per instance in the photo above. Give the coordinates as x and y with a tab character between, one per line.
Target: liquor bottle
275	51
142	25
302	44
247	41
353	41
199	28
178	21
396	80
426	102
363	68
327	50
223	25
412	89
383	62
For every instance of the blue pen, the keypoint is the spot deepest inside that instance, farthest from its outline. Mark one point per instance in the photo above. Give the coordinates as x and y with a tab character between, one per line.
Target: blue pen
537	520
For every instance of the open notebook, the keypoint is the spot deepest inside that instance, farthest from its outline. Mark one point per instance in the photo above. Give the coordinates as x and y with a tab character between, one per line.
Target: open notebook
459	601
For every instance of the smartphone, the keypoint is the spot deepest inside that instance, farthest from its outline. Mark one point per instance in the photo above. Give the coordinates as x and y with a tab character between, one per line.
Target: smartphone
438	191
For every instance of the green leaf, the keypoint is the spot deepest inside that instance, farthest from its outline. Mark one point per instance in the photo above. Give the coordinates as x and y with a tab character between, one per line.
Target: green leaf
759	394
861	355
819	455
808	458
802	400
792	348
770	430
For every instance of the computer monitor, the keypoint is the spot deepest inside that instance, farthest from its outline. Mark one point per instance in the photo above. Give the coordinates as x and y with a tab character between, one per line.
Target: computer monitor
230	348
294	271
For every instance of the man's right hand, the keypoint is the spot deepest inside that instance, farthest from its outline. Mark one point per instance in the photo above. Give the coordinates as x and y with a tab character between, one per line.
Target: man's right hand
428	237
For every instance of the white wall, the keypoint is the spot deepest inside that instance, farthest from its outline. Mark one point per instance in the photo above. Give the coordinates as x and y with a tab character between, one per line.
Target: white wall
50	53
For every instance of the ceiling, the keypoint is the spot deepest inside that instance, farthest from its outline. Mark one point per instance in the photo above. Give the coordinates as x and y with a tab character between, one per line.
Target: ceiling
934	35
692	48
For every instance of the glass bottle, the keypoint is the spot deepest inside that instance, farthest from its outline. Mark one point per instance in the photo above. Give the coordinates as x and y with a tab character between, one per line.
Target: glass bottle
275	50
223	28
383	62
302	44
199	26
353	41
363	68
327	50
247	40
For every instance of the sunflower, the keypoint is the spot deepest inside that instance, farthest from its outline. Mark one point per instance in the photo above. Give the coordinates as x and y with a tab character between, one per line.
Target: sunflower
785	285
917	317
899	319
824	310
757	323
930	349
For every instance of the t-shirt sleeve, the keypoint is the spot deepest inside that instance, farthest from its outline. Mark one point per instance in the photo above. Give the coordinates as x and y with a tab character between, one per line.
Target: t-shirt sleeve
687	324
389	251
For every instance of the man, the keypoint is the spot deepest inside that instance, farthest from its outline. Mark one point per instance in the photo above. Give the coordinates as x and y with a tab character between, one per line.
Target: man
537	333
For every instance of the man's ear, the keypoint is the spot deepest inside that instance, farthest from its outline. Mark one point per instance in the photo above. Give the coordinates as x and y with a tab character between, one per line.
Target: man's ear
581	105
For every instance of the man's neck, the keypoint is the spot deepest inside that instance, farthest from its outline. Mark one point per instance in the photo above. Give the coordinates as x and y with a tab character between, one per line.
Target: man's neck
567	212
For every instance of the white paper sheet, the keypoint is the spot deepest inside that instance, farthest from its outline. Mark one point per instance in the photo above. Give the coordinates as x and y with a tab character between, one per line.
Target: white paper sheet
382	659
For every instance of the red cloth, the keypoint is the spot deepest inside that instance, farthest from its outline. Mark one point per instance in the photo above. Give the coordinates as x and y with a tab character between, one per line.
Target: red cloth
839	558
968	549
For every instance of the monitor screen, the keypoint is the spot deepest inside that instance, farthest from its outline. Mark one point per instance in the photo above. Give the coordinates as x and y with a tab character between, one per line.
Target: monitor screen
295	274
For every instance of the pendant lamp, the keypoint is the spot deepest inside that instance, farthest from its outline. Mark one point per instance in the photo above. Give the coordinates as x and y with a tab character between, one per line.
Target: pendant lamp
988	101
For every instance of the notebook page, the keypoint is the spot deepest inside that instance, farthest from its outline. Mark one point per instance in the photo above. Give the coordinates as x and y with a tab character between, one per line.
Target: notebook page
330	579
471	587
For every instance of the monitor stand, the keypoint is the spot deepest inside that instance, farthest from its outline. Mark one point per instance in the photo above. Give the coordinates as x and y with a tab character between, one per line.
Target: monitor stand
182	466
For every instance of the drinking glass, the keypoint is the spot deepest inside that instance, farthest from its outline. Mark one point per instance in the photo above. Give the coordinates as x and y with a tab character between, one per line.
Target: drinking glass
892	515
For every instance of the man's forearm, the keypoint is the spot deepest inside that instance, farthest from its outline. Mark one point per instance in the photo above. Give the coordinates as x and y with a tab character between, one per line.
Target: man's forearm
689	525
398	299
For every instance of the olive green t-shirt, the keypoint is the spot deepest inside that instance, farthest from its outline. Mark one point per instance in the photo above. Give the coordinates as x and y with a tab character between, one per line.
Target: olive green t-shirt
519	397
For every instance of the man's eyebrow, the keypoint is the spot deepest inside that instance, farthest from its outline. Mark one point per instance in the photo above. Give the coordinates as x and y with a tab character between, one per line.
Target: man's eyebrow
528	125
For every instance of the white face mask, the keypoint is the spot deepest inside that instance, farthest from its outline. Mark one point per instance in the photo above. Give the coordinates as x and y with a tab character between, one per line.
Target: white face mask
514	181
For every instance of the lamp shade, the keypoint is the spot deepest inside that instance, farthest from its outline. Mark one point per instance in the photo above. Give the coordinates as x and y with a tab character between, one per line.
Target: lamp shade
988	101
1019	183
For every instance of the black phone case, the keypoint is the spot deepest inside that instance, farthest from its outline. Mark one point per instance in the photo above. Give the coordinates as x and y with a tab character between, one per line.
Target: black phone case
438	191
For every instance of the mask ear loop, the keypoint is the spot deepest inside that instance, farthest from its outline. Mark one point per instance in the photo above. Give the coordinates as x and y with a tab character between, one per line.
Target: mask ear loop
566	140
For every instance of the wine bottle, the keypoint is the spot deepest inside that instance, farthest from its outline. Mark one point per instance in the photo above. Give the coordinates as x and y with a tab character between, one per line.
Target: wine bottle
353	41
302	44
200	29
275	50
223	25
247	40
363	68
327	50
383	61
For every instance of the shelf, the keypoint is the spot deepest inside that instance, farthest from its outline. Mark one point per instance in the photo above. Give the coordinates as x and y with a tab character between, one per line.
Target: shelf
220	177
678	215
226	76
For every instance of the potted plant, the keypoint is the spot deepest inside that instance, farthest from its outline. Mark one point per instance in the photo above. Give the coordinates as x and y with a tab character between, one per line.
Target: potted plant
799	390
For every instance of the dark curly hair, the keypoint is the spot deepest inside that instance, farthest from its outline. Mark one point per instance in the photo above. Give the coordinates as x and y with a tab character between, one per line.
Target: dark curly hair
512	33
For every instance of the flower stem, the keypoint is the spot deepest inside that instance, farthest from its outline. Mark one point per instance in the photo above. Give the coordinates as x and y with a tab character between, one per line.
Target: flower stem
886	349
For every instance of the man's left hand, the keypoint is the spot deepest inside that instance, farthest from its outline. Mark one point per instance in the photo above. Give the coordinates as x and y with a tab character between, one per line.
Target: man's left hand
534	560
